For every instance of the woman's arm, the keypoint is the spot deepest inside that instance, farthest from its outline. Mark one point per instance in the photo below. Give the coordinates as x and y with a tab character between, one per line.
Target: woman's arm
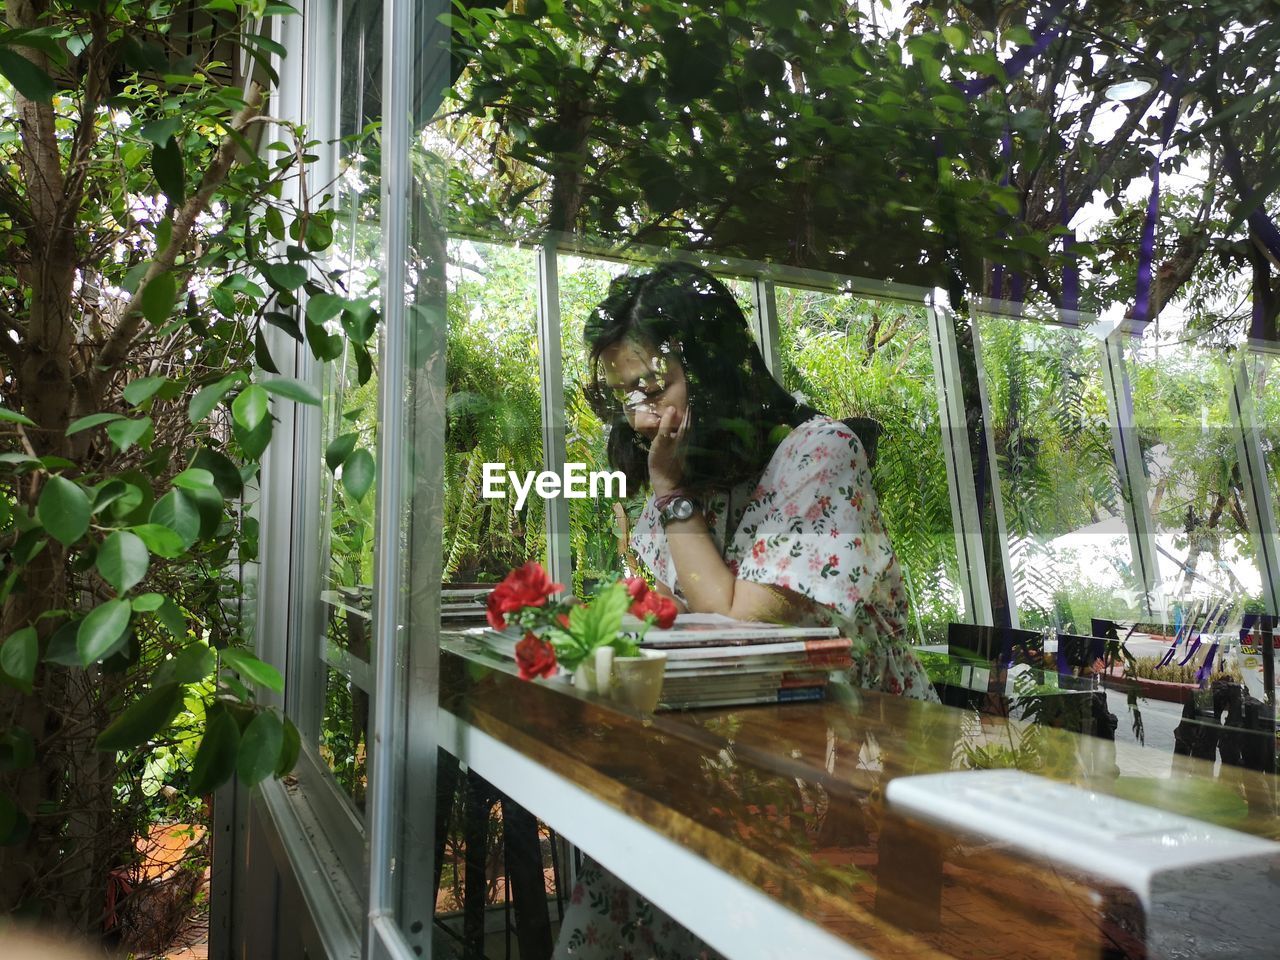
709	586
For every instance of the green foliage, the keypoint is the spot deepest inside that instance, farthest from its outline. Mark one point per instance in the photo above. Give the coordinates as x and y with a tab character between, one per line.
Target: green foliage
152	246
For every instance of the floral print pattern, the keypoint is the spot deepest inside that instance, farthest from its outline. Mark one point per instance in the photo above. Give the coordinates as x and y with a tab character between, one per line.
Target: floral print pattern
810	524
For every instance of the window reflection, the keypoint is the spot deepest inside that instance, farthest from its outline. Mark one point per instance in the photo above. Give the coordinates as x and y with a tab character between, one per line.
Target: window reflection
868	361
494	411
1069	548
1182	395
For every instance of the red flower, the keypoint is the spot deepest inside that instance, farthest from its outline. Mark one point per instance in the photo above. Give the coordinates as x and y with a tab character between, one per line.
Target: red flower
636	587
662	609
535	658
527	586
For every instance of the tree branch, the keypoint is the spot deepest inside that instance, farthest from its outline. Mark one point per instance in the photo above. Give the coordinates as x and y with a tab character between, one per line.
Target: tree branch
121	340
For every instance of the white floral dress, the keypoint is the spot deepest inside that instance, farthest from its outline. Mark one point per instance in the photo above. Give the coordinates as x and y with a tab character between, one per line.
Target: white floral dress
810	524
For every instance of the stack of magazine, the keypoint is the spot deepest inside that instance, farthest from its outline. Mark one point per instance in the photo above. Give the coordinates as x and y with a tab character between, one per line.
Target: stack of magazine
713	661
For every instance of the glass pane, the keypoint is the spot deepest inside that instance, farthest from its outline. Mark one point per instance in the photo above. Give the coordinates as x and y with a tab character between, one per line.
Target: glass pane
599	527
870	360
349	424
495	413
595	524
1181	399
1068	543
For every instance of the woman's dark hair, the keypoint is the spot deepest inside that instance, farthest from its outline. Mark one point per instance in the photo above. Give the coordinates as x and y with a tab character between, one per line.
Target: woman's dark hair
740	412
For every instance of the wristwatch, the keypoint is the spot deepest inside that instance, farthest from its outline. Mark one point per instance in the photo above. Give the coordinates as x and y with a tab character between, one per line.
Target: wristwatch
675	507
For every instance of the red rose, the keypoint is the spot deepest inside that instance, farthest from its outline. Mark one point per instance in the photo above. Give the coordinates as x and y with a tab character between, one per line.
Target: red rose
662	609
535	658
636	587
527	586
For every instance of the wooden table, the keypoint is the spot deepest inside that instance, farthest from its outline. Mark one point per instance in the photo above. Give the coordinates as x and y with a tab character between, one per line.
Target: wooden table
765	829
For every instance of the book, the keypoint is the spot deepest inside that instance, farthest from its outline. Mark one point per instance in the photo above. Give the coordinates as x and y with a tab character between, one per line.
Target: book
709	629
732	649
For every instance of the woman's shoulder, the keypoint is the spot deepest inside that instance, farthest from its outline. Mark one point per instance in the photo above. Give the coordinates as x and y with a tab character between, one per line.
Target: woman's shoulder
818	433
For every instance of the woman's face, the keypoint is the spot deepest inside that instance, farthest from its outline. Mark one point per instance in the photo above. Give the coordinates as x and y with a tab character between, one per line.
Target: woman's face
645	380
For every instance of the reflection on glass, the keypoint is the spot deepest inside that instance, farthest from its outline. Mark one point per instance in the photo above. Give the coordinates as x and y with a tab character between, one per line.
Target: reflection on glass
349	411
597	527
344	736
494	411
1068	542
869	361
1181	399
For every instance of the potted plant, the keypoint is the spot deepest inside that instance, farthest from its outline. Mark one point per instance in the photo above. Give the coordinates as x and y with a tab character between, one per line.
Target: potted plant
585	639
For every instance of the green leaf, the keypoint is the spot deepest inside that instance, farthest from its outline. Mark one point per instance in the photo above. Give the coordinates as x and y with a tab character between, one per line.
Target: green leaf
109	493
62	648
173	620
260	748
285	276
191	665
161	540
290	747
158	296
193	478
358	473
250	407
143	719
294	390
225	475
18	658
177	511
598	622
208	397
14	417
123	560
339	448
359	320
324	306
262	353
253	442
125	433
102	630
28	79
64	510
215	760
161	131
91	421
147	602
166	163
252	668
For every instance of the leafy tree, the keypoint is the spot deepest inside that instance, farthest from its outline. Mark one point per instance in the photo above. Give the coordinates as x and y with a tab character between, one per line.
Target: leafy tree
152	237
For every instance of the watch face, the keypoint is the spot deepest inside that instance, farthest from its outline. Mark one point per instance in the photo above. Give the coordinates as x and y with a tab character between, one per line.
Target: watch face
681	509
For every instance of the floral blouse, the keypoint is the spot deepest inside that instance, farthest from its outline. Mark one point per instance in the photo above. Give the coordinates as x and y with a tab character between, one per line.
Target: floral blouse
812	524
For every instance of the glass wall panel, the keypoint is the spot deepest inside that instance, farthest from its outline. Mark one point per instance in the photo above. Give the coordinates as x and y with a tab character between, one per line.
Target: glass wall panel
1069	548
869	361
598	528
495	413
1264	379
1181	398
349	413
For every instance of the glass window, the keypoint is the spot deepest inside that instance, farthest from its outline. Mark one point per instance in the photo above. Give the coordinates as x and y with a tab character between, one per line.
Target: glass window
495	413
1181	398
1069	550
868	362
349	414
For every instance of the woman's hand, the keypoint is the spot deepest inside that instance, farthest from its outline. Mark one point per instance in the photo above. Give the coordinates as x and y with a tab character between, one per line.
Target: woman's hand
666	452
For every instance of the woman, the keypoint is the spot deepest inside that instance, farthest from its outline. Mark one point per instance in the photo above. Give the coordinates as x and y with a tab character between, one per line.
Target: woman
761	509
